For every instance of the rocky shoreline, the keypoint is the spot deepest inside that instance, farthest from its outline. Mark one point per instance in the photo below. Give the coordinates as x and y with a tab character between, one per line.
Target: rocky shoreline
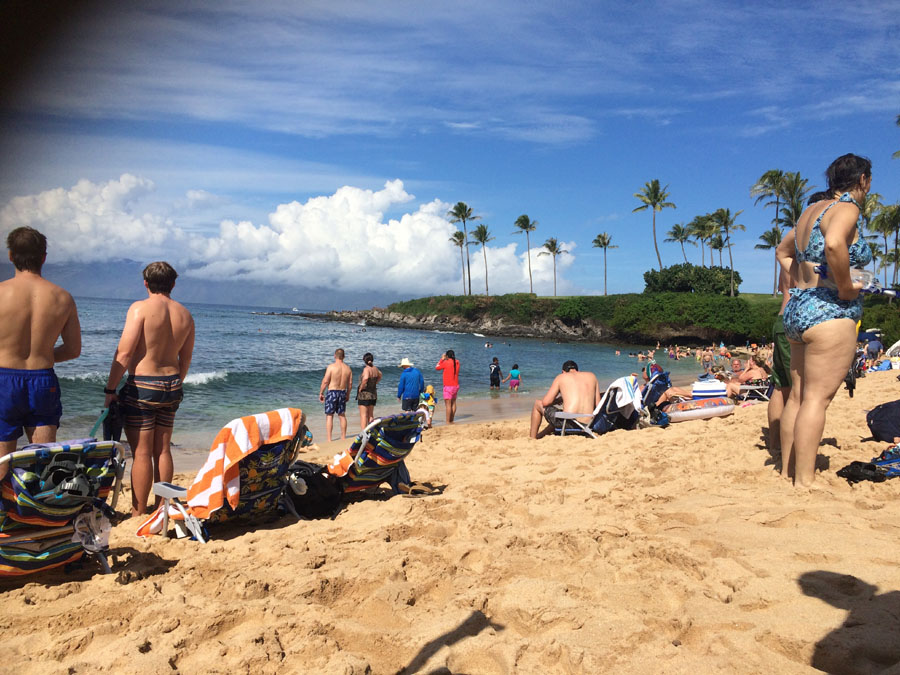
553	329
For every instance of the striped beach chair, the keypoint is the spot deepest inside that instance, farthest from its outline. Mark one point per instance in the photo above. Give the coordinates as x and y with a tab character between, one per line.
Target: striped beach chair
53	504
376	455
244	475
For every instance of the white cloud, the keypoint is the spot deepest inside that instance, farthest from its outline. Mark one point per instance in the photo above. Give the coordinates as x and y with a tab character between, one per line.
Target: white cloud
93	221
340	241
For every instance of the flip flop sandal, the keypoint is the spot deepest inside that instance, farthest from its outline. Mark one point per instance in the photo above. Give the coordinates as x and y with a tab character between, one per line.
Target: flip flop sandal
416	490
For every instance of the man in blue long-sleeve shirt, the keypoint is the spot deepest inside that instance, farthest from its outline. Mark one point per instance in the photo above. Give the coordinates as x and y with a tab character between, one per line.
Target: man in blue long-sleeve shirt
410	386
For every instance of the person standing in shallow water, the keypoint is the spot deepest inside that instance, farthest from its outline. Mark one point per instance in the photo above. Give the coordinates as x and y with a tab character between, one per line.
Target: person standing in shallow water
495	373
366	393
334	392
450	367
156	349
514	378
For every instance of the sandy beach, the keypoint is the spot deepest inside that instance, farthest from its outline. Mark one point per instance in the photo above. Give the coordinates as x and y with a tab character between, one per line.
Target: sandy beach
672	550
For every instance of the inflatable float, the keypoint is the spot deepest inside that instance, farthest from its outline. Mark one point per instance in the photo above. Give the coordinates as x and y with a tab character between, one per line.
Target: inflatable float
700	409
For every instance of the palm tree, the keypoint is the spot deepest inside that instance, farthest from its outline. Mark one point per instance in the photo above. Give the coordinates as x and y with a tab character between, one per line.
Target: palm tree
654	198
706	228
553	248
482	235
459	239
604	241
876	256
697	228
768	186
729	224
771	239
681	234
461	213
526	225
716	243
887	223
794	189
870	207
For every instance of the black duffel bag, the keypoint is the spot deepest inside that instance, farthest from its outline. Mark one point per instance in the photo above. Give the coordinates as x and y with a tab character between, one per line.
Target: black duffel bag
884	421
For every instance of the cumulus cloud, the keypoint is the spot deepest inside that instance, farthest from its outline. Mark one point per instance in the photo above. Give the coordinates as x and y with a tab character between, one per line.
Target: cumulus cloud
342	241
92	222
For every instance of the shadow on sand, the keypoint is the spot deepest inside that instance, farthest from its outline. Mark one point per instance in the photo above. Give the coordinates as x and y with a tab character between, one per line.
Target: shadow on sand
869	639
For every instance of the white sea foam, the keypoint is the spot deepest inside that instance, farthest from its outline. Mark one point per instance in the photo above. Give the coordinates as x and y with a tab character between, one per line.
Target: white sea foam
91	376
205	378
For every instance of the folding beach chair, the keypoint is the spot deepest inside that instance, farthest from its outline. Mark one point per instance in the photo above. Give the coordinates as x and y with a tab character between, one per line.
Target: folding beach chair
756	390
244	476
53	504
376	455
619	408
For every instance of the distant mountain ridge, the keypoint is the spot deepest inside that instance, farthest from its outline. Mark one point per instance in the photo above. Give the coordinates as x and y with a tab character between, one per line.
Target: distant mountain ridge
121	279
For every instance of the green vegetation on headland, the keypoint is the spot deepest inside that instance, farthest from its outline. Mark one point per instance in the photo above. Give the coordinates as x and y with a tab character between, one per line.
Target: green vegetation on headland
641	318
633	317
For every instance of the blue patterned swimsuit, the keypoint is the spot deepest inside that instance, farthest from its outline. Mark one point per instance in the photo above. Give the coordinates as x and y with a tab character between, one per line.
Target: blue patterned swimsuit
809	307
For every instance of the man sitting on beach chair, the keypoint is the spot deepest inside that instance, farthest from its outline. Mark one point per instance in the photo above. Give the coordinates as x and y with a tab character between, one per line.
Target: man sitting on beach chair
755	371
580	393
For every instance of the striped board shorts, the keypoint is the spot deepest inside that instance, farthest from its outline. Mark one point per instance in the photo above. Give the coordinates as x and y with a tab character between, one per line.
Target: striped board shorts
150	401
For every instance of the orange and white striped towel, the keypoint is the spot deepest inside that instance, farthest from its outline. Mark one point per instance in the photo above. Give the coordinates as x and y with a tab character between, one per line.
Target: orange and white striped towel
219	478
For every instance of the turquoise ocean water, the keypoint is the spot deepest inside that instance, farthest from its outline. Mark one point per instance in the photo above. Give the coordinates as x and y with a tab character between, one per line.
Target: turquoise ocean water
246	363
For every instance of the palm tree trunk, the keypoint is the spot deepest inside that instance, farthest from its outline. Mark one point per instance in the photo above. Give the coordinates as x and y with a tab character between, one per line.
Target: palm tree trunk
484	251
530	281
462	262
554	275
683	254
884	235
896	237
702	254
468	262
658	259
604	270
731	265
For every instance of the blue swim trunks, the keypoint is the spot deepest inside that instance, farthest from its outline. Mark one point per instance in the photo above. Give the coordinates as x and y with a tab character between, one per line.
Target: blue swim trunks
28	398
335	402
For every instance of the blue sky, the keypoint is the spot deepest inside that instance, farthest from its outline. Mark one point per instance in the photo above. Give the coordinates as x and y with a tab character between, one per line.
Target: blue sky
319	144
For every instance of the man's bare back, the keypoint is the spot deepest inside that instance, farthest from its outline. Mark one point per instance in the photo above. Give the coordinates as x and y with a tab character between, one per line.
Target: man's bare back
338	376
158	337
35	313
580	393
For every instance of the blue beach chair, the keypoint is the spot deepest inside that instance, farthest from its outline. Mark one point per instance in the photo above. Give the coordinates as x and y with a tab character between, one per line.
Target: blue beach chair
53	504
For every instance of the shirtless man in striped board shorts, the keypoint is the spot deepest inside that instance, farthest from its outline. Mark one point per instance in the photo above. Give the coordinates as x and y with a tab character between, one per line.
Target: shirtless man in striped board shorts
156	348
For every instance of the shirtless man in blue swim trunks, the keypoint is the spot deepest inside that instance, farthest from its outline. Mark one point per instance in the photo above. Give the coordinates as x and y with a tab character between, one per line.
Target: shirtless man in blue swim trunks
156	349
35	313
335	391
821	315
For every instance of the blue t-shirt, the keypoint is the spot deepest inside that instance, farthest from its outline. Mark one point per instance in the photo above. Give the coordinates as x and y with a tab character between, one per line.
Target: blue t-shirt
514	374
411	384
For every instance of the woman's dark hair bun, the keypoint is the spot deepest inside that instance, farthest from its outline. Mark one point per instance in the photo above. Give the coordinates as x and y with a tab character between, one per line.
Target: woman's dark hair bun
844	173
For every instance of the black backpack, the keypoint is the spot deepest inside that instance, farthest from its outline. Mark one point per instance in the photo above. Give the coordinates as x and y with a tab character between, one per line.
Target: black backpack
884	421
314	492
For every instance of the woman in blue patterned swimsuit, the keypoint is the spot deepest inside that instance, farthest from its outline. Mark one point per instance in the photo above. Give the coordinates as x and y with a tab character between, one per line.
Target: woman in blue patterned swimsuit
820	317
